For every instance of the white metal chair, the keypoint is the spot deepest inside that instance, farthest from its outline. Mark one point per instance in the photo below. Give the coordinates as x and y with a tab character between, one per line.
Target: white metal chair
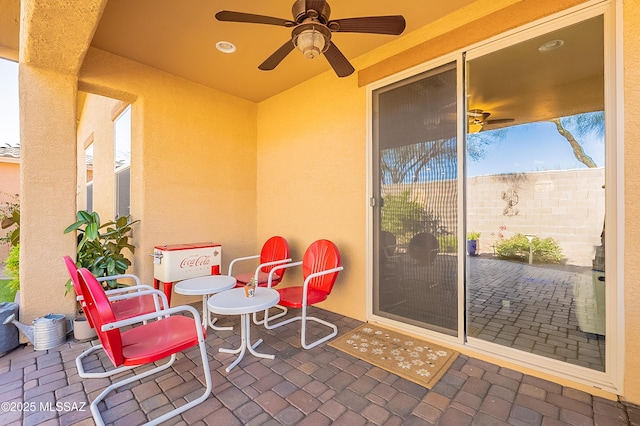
127	302
320	267
275	251
143	343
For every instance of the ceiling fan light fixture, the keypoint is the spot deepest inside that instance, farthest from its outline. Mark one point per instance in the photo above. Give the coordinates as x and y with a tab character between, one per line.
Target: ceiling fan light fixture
311	39
474	127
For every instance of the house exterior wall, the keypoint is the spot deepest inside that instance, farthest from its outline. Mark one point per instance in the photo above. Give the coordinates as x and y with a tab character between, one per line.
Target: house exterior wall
629	216
9	185
96	126
193	165
325	157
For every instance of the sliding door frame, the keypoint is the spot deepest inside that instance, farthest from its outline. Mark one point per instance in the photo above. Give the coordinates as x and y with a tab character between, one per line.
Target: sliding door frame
612	378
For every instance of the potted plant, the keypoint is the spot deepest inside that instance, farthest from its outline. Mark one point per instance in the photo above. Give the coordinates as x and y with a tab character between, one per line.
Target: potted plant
472	242
100	249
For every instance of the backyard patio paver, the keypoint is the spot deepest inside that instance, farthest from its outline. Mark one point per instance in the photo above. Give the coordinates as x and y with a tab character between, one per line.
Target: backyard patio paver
320	386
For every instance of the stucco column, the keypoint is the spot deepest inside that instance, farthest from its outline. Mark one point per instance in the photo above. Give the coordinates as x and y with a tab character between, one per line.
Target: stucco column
48	189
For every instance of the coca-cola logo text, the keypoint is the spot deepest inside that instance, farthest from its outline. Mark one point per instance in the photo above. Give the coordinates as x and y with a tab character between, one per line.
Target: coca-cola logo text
195	260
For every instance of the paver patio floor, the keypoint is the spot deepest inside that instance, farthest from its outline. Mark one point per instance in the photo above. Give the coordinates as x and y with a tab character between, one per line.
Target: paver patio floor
320	386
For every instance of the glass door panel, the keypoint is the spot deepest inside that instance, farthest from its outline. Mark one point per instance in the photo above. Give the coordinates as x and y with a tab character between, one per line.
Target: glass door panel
415	197
535	192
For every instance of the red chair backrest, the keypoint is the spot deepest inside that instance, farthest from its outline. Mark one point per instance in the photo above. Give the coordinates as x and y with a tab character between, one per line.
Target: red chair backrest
73	273
320	256
275	248
98	307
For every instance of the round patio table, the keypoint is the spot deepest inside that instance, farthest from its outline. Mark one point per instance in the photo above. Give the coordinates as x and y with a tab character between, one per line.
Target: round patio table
235	302
206	286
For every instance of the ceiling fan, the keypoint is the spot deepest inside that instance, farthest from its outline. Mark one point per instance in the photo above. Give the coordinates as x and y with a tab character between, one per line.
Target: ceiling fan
479	118
312	30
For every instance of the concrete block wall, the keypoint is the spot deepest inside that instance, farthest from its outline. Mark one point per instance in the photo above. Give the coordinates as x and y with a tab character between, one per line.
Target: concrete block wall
566	205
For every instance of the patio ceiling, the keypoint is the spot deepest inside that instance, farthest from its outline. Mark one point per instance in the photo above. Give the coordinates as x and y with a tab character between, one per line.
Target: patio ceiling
180	37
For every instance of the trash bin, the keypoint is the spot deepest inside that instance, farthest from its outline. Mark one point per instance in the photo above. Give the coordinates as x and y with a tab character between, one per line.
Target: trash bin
9	336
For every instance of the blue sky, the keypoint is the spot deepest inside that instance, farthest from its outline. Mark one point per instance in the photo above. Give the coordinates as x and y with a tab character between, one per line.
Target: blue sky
534	147
9	111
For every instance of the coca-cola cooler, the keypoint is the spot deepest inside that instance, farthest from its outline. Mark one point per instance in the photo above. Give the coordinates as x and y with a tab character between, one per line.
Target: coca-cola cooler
177	262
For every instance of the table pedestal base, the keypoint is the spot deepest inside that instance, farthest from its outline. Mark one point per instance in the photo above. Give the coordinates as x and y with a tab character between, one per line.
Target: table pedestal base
206	316
245	343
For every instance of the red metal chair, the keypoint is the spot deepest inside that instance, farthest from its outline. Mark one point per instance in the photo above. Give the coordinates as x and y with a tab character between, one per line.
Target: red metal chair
127	302
275	251
320	267
145	343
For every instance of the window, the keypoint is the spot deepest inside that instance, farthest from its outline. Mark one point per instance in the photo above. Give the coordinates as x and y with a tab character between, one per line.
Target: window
122	162
88	162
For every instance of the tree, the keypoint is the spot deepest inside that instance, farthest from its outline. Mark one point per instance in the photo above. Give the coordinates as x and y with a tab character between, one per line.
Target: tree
405	163
583	125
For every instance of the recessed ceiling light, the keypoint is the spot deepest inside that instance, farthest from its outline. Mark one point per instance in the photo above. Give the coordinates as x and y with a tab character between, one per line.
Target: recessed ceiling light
225	47
551	45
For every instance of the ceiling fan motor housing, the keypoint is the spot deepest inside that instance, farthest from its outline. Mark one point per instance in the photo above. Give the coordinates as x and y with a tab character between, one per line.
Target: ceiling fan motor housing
299	11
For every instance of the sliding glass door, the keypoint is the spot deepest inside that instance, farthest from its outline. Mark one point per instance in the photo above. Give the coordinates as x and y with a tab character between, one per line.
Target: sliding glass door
488	200
415	201
535	193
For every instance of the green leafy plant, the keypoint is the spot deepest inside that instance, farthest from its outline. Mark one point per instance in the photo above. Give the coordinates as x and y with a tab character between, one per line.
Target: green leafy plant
100	246
473	235
544	250
12	268
10	216
447	243
402	216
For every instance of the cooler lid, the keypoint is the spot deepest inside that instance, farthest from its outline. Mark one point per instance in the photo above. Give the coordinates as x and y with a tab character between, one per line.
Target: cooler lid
186	246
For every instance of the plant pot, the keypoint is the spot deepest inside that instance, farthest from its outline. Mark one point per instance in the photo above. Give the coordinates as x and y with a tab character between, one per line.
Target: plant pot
82	331
472	247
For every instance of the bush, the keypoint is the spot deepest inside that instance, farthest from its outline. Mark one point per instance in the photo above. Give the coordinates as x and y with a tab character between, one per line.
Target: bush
402	216
12	267
517	248
448	243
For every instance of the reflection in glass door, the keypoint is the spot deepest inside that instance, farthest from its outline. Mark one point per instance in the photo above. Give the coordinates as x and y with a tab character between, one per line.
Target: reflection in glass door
535	192
415	197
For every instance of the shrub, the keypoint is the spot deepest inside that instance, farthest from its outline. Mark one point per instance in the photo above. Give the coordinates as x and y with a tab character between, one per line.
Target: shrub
12	267
517	248
473	235
402	216
447	243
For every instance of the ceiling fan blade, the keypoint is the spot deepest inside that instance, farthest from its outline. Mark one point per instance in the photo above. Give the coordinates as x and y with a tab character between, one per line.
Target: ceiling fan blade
276	57
500	121
230	16
392	25
338	62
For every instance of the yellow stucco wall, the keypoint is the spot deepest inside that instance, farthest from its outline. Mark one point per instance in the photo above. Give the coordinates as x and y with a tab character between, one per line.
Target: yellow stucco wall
321	189
193	169
312	178
96	126
631	226
47	188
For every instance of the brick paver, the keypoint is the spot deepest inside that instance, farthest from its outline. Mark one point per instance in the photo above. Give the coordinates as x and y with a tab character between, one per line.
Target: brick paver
321	386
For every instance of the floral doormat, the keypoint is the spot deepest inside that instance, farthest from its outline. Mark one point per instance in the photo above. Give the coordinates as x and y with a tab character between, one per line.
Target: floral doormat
417	360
